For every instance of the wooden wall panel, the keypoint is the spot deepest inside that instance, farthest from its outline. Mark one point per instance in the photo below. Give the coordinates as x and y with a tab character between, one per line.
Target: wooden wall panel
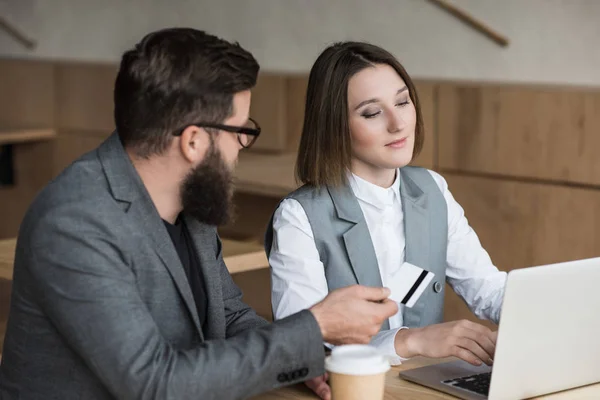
427	99
69	147
84	94
543	133
26	94
253	215
268	175
256	289
523	224
268	108
526	224
296	100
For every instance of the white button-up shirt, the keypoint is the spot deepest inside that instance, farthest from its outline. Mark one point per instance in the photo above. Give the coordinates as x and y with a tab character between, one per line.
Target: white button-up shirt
298	275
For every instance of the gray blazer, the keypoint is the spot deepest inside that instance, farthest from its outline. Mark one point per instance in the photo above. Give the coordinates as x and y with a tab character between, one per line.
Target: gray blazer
101	307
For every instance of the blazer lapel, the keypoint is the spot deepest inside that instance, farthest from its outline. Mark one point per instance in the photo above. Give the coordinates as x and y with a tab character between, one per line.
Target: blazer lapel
205	239
127	186
416	227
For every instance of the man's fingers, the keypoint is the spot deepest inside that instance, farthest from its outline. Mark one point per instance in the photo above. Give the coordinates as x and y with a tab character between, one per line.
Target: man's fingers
382	310
324	391
314	383
320	387
373	293
387	308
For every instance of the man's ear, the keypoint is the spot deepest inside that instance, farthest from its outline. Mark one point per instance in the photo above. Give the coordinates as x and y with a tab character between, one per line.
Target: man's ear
194	143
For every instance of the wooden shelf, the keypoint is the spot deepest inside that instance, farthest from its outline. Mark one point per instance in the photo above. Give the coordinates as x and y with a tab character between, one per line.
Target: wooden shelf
266	174
17	136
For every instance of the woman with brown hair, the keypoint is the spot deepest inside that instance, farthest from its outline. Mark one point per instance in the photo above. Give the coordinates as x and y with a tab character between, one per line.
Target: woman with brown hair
364	216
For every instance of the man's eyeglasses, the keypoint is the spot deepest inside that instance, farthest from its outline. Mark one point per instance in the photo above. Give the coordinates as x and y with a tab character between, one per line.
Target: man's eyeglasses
246	135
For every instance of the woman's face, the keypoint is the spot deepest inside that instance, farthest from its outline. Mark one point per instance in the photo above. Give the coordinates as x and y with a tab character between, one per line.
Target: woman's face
382	120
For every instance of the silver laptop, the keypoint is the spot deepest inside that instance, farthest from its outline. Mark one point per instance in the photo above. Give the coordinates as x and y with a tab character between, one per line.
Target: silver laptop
548	338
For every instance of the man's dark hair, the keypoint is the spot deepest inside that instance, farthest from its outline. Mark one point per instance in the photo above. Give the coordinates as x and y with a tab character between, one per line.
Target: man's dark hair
174	78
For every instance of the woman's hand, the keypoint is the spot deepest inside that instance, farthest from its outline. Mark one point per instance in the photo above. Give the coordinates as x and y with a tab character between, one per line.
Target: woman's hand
464	339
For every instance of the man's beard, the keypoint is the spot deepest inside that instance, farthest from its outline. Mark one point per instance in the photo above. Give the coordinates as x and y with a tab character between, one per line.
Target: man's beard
207	191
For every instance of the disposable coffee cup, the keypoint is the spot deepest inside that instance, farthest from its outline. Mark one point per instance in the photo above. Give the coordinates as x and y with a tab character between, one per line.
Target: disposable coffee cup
356	372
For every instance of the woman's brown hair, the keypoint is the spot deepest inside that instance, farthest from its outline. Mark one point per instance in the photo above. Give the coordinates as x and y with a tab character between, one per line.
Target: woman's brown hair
325	152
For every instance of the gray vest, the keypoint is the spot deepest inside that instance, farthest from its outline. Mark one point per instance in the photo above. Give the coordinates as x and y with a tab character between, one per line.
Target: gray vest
346	250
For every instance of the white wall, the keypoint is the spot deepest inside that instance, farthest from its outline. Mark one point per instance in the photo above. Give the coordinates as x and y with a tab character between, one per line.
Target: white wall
552	41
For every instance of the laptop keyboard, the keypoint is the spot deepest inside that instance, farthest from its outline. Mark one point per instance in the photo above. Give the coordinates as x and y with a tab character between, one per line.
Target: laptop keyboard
479	383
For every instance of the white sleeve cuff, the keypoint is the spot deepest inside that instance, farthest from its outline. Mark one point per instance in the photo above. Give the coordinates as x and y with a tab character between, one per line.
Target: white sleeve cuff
385	343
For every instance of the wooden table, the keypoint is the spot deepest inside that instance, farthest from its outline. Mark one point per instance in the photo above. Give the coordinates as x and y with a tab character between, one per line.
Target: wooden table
397	388
239	256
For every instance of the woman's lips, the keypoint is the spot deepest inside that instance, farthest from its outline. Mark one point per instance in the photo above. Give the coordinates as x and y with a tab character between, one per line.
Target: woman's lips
397	144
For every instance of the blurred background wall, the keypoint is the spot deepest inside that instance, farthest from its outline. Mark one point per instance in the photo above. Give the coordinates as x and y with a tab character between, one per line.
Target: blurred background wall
552	41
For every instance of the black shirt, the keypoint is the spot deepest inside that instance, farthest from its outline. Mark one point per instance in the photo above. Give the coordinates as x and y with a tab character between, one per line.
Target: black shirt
183	243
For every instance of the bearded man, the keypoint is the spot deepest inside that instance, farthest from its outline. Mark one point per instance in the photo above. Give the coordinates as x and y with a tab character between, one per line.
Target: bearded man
120	289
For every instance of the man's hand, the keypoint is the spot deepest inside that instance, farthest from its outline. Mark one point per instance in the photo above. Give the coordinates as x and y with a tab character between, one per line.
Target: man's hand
320	387
353	314
464	339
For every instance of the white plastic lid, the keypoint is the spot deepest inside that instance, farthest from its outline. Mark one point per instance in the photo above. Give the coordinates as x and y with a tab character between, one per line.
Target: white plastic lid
356	359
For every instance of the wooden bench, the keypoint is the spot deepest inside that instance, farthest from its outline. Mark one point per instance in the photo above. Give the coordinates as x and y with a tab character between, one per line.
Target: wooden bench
239	256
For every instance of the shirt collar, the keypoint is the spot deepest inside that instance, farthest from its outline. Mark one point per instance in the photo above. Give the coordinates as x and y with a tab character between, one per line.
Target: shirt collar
372	194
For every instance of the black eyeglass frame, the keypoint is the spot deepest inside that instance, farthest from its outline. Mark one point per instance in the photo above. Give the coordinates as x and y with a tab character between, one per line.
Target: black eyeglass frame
240	130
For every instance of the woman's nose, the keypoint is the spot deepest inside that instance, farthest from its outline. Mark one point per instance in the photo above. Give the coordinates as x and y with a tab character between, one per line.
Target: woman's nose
395	122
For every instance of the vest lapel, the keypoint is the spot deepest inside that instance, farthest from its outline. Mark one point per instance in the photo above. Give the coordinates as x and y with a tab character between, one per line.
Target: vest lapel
416	231
357	239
